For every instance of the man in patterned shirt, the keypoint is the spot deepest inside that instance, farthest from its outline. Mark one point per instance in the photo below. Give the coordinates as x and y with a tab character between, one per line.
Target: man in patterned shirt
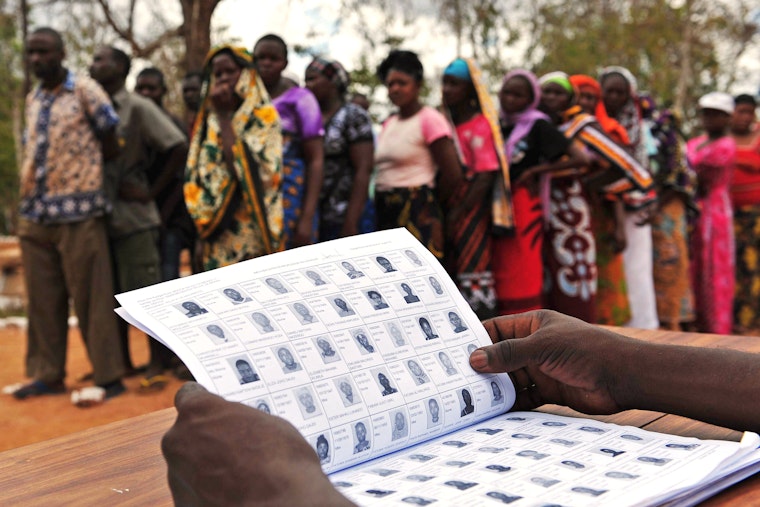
70	126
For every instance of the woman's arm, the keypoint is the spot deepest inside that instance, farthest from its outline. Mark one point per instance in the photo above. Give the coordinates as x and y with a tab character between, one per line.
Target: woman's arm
446	159
361	155
575	158
313	150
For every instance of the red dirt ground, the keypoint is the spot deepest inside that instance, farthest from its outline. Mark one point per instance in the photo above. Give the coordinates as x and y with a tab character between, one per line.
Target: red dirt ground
37	419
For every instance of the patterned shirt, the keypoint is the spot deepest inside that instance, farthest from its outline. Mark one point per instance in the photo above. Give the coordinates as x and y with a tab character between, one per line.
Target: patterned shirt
62	171
349	125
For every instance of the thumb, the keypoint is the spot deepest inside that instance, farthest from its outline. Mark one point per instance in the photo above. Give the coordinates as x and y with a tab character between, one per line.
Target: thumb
506	356
189	392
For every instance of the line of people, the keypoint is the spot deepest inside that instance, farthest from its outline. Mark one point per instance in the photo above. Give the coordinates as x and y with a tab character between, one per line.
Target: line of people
574	194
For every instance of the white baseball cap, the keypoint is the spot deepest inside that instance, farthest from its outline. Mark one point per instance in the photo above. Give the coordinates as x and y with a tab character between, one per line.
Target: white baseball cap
719	101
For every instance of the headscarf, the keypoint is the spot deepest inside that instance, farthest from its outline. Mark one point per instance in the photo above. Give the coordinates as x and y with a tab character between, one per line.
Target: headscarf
502	216
209	187
332	70
459	69
611	127
559	78
522	120
630	115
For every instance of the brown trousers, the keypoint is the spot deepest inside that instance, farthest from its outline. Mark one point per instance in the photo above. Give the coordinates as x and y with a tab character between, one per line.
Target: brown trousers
65	261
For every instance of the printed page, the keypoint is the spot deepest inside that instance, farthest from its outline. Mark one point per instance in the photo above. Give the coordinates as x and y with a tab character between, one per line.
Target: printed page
532	458
362	343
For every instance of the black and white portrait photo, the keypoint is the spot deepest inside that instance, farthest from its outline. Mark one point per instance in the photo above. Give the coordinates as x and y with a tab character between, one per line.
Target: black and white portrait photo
435	285
385	264
465	401
287	361
400	426
343	309
307	402
418	374
192	309
361	439
433	412
363	341
322	446
394	330
496	394
244	370
326	350
262	322
413	258
456	322
378	303
409	295
427	329
217	333
446	364
350	270
315	277
384	381
236	296
276	285
303	313
347	392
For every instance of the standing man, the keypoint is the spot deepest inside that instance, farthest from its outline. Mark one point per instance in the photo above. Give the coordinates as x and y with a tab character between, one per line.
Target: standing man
177	228
70	127
145	132
191	96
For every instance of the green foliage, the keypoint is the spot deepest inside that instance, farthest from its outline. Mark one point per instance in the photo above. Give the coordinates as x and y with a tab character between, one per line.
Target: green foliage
673	49
10	110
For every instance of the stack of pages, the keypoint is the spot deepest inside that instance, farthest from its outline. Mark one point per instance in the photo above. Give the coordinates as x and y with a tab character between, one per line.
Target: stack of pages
363	344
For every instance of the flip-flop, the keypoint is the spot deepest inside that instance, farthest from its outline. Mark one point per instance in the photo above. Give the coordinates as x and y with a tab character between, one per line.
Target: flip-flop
153	384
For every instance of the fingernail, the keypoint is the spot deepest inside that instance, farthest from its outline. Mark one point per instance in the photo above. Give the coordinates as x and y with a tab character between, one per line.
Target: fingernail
479	359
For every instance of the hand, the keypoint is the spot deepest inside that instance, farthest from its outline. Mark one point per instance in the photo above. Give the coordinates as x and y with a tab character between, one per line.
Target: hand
349	229
618	239
452	221
197	258
223	97
129	191
646	214
553	358
225	453
302	234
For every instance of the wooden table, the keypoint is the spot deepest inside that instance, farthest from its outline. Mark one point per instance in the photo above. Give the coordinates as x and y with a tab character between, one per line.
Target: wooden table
121	463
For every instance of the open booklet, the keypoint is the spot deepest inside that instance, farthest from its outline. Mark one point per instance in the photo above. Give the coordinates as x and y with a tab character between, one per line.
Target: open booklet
363	344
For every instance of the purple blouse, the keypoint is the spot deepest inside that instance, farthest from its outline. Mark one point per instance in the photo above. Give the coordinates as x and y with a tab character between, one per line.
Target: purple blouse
299	113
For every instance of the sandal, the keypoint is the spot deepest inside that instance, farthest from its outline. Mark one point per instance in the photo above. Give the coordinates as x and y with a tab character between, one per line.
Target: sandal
153	384
39	388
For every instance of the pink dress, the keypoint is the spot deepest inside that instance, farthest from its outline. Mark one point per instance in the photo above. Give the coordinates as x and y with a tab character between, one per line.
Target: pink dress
712	241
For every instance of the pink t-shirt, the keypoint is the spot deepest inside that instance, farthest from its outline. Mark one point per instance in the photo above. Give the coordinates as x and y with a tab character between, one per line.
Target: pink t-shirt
403	157
476	142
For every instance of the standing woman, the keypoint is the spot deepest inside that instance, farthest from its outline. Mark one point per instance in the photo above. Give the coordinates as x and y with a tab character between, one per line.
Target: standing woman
469	216
619	96
712	155
608	217
302	149
676	208
349	151
745	196
571	250
533	147
232	178
417	165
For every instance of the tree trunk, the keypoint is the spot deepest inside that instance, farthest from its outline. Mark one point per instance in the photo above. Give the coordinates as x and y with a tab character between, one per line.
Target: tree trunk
196	30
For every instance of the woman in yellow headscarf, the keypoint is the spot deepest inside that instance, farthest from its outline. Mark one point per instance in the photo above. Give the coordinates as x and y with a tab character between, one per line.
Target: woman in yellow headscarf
482	202
232	179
